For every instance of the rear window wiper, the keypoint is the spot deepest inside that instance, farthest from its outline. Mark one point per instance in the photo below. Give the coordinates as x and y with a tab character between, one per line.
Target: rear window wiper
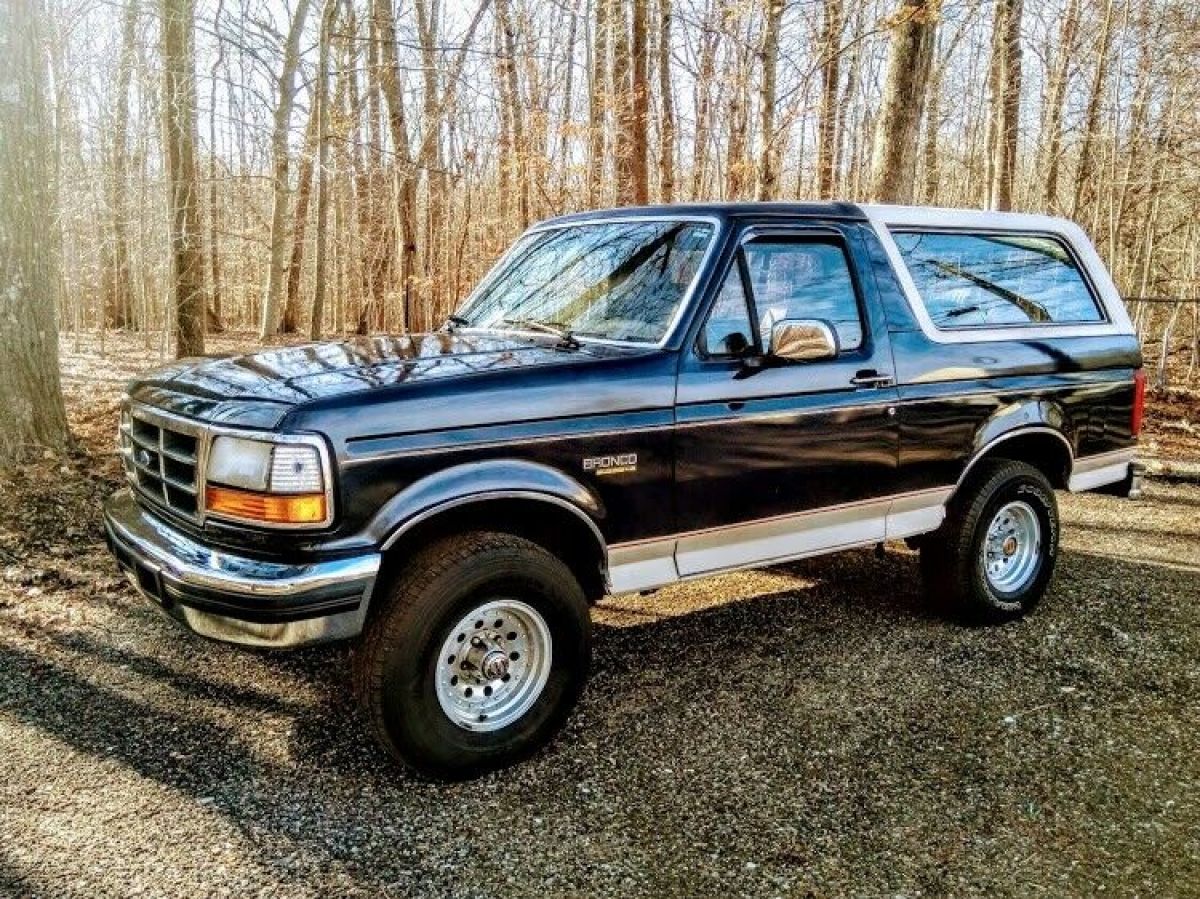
962	310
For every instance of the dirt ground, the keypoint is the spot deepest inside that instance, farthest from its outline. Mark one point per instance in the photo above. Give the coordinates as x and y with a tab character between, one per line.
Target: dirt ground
809	729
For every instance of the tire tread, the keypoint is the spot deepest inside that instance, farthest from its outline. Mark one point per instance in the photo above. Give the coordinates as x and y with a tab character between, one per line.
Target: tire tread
384	632
947	556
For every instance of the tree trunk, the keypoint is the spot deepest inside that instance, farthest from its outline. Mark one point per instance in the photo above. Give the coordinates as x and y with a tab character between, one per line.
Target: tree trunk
179	116
564	132
848	139
598	105
376	225
1083	174
666	121
894	154
1005	100
640	105
31	412
703	93
328	16
214	230
406	176
737	166
1055	96
430	162
120	302
280	188
512	100
929	148
827	118
626	142
768	161
289	322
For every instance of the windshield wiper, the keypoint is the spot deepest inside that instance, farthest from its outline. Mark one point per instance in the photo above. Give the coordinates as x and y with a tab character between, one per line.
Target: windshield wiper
564	335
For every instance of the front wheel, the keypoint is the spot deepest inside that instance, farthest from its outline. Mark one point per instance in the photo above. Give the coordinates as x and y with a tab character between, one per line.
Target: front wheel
993	557
479	653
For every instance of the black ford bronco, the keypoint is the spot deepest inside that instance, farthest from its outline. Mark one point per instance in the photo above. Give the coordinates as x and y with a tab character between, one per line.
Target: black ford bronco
631	398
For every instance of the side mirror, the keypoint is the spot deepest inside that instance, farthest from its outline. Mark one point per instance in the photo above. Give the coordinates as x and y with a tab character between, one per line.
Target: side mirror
802	340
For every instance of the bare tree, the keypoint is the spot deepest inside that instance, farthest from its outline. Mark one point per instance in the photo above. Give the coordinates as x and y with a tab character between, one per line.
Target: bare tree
289	322
214	213
280	186
639	148
440	147
179	117
328	17
627	143
1055	95
388	73
827	120
510	86
1091	125
32	411
894	154
768	154
739	169
1005	101
708	40
120	303
598	103
666	99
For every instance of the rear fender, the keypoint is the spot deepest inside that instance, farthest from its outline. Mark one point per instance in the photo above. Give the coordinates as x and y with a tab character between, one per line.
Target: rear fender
1022	419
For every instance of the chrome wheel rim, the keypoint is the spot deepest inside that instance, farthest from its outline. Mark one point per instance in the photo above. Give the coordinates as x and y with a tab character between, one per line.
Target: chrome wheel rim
493	665
1012	548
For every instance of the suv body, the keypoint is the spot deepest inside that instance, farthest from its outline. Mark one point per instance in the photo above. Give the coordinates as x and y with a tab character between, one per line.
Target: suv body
762	382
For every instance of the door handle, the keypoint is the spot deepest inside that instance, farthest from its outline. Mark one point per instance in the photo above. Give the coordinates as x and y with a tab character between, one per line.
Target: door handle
869	377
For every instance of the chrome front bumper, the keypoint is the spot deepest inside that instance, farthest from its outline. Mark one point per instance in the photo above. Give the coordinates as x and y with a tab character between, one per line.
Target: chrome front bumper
232	598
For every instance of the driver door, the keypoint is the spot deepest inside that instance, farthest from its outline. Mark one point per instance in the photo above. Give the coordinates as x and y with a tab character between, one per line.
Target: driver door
776	460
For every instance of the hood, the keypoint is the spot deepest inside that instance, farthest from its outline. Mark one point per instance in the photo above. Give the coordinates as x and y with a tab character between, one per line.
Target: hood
258	389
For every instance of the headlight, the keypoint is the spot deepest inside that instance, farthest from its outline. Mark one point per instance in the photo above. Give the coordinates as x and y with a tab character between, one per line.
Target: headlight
267	482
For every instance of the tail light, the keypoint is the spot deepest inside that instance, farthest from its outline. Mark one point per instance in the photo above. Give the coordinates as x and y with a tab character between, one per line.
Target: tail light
1139	401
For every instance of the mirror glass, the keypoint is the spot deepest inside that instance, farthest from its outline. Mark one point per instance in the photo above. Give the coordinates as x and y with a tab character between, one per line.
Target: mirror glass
803	340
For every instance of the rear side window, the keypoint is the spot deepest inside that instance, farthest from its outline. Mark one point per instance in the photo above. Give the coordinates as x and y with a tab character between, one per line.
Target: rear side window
989	280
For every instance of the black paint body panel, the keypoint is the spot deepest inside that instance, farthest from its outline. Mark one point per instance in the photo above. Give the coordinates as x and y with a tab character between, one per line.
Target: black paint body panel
409	420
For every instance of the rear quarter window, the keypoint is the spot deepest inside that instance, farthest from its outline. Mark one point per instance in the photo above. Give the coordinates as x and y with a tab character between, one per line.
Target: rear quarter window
975	280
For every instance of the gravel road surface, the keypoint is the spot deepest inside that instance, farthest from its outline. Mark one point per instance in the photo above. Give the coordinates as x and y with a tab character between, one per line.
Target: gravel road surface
811	729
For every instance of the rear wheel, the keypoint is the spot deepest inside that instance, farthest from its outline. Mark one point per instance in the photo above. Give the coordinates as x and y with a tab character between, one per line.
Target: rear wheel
993	557
476	657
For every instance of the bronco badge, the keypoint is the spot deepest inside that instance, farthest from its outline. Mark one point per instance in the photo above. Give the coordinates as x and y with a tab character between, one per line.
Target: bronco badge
610	465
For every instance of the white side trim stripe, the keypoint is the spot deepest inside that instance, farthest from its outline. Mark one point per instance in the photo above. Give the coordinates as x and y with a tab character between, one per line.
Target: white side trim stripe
645	565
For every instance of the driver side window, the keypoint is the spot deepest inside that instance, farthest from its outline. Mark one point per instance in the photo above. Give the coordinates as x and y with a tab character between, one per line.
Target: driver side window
790	278
728	332
805	279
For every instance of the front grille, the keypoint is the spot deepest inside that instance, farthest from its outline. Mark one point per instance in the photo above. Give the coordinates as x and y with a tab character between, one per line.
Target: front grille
161	458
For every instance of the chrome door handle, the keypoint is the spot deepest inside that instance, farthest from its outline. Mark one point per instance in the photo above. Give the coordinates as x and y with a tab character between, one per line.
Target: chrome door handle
871	379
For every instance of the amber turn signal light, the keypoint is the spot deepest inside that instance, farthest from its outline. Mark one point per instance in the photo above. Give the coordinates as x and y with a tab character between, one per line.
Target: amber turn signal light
300	508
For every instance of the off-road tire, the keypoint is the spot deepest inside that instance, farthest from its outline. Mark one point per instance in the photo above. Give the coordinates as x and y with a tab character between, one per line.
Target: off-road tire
395	664
952	565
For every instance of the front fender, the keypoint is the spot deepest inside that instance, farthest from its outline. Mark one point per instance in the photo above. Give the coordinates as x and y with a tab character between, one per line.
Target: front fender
494	478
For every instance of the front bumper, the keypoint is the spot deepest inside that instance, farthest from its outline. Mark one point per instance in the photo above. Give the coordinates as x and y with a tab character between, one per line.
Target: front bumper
235	599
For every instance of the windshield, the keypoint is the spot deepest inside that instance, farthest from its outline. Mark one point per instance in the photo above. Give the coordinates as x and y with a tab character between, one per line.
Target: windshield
612	280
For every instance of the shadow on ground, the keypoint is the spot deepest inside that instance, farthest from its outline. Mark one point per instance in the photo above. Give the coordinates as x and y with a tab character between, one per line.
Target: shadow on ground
832	736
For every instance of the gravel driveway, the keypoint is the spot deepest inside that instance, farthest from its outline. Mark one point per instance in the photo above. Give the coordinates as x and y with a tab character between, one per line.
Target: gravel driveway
808	729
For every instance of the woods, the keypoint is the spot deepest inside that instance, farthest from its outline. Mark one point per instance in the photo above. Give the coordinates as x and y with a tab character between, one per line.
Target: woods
356	165
32	411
